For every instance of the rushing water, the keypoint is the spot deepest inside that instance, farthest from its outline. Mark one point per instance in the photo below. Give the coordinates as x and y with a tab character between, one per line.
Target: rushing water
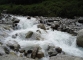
64	40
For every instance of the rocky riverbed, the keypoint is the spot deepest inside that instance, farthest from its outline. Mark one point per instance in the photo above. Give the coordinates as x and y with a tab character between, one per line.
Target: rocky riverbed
45	38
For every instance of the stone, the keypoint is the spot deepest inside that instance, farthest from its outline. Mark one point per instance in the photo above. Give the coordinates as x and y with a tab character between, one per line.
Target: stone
41	26
54	26
29	34
2	51
52	52
58	49
79	40
15	20
65	57
13	45
12	53
6	27
38	31
21	51
14	36
40	54
28	17
6	49
29	51
37	38
80	20
34	52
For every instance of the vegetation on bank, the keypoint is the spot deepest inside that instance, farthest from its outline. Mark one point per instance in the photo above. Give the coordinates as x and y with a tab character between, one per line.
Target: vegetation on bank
62	8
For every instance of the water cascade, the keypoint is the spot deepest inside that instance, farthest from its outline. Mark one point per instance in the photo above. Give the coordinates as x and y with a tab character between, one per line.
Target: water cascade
57	38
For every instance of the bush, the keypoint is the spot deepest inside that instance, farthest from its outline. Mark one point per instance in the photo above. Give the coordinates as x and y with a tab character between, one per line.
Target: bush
62	8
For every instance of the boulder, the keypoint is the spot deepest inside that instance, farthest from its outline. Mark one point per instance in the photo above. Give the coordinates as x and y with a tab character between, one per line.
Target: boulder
21	51
80	20
58	49
13	45
51	51
40	54
15	20
79	40
38	31
12	53
28	17
29	51
41	26
14	36
34	52
2	51
54	26
65	57
37	38
29	34
6	49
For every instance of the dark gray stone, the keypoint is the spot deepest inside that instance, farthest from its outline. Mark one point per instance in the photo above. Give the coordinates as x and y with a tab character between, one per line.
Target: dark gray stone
29	34
79	40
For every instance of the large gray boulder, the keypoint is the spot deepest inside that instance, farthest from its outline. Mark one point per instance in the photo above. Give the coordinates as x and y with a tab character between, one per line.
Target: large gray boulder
13	57
65	57
80	20
79	40
42	26
40	54
53	51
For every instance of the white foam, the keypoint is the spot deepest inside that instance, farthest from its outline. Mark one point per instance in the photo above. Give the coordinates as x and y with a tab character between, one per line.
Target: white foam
64	40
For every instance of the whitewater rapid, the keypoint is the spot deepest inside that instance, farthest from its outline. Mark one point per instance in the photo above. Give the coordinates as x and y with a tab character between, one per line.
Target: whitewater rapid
62	39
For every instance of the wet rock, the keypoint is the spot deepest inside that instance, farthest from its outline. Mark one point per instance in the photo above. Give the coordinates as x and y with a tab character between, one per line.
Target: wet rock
2	51
14	36
51	51
0	43
40	54
41	26
58	49
54	26
80	20
38	31
37	38
21	51
6	49
15	26
29	51
34	52
79	40
12	53
65	57
7	27
13	45
15	20
28	17
29	34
